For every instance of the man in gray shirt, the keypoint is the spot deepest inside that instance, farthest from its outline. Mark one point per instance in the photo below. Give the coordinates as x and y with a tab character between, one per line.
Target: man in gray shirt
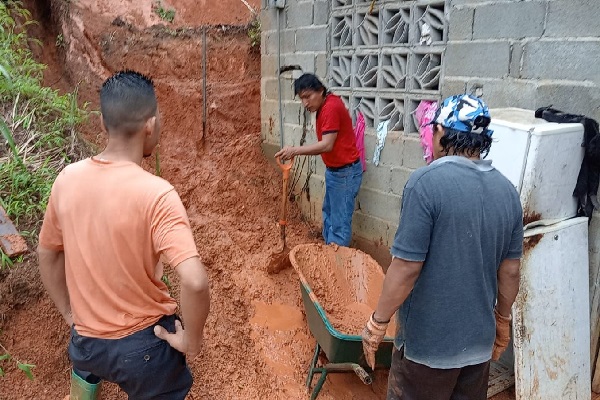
455	268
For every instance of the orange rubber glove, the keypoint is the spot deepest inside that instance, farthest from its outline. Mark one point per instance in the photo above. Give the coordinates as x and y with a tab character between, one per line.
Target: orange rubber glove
502	335
372	335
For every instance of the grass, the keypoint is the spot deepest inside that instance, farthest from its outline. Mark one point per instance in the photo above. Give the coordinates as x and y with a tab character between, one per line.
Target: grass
254	30
164	13
37	124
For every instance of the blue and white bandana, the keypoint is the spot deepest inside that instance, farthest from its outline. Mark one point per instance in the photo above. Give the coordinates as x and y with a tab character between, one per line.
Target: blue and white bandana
464	113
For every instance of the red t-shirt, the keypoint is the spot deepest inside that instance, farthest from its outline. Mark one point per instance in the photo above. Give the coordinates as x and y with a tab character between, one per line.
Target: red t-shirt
333	117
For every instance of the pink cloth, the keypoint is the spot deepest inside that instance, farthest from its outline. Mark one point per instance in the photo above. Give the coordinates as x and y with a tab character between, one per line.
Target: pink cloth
424	113
359	132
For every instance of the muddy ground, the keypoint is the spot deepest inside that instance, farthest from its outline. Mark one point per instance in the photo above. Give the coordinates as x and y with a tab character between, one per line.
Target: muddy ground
257	344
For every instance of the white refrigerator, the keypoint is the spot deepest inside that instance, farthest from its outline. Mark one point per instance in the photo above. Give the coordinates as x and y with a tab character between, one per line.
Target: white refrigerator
550	354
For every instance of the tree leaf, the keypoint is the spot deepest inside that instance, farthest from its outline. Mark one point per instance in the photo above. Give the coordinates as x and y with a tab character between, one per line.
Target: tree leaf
26	368
1	373
4	357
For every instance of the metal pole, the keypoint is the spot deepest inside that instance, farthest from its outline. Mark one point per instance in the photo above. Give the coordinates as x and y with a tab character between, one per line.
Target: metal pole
204	107
279	77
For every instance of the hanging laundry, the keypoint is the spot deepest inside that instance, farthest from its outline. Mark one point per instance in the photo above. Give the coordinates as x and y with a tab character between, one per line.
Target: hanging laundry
359	133
382	131
424	113
588	180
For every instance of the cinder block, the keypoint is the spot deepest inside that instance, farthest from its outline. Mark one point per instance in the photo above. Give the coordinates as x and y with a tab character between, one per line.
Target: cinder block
313	38
485	59
452	86
321	12
291	134
268	20
460	23
399	177
370	228
507	92
311	203
509	20
292	112
321	65
370	142
516	58
269	113
412	157
378	178
306	61
391	155
392	228
270	89
268	42
572	18
561	59
268	65
269	149
379	204
268	133
570	97
298	15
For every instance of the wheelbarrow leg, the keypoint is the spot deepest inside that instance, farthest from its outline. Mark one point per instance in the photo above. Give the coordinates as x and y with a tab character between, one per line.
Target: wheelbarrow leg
319	384
313	366
311	373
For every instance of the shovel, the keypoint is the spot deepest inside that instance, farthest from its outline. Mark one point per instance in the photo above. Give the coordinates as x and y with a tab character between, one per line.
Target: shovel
280	259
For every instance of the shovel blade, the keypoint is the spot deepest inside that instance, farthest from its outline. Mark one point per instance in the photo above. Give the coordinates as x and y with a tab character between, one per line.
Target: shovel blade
279	261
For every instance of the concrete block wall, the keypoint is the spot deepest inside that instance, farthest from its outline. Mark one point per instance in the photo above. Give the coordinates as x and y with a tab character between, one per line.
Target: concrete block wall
518	53
526	54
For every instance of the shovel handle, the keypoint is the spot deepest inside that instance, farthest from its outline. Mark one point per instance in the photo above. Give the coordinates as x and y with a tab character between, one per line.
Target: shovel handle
285	168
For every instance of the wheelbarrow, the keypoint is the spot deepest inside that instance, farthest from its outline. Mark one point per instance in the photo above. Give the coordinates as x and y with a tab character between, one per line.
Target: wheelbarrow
355	276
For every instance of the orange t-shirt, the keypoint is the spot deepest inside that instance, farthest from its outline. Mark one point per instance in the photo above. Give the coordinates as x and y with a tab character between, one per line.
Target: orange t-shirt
113	220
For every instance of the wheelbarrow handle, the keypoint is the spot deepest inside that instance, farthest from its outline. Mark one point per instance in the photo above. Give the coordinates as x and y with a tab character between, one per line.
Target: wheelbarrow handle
285	168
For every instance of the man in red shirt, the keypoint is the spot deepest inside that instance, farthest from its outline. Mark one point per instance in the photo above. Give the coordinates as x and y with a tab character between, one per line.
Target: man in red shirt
337	147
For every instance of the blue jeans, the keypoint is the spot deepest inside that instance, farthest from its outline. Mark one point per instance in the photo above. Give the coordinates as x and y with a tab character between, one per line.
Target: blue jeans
144	366
341	188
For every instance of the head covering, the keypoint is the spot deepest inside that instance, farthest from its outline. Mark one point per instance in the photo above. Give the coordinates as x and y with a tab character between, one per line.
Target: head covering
464	113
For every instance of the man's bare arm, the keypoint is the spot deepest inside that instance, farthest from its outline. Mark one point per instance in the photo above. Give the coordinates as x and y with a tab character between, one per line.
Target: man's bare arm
508	285
399	281
52	272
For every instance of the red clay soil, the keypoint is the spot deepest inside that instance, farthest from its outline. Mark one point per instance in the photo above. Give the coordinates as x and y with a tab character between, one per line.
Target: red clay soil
346	283
257	344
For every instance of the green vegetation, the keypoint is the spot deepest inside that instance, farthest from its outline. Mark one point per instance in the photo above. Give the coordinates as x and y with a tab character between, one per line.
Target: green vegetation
254	31
6	357
163	13
37	124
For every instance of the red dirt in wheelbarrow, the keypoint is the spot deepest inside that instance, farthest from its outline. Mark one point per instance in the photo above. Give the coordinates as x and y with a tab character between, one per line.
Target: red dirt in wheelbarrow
346	282
257	343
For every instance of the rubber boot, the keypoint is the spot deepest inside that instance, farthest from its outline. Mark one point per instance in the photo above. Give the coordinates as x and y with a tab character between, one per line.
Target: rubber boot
82	389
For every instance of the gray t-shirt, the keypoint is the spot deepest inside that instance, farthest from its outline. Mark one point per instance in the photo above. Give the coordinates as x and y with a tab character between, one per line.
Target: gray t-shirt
462	218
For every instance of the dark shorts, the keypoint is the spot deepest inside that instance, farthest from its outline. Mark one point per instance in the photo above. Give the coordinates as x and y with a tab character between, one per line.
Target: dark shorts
412	381
144	366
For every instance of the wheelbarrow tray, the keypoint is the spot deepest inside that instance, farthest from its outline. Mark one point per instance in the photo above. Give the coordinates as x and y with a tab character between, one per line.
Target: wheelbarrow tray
339	347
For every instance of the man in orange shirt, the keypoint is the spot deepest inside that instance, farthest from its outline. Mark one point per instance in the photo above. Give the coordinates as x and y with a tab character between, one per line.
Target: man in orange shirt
337	146
107	223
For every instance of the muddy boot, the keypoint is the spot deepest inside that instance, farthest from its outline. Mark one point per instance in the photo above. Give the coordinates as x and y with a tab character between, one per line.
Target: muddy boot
82	389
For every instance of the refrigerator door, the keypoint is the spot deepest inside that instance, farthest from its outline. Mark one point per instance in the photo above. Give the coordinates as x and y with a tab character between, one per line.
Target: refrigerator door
542	159
551	325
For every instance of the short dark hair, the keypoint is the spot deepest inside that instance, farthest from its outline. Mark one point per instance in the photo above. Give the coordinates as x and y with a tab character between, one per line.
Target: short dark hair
308	82
468	143
127	101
